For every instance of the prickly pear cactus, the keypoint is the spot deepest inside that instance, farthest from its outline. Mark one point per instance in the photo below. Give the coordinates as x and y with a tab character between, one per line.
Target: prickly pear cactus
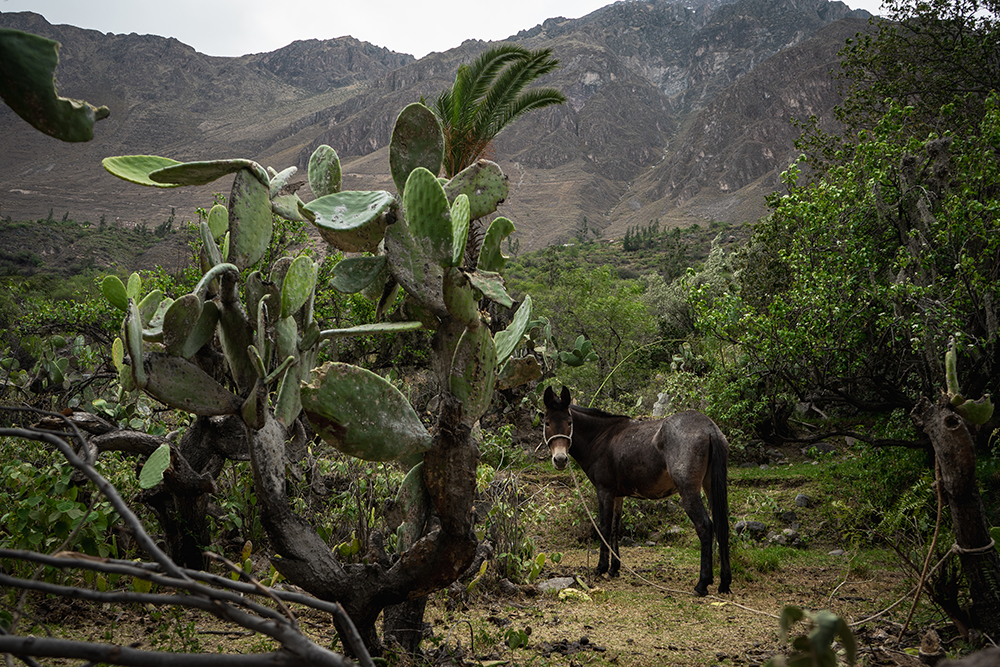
264	322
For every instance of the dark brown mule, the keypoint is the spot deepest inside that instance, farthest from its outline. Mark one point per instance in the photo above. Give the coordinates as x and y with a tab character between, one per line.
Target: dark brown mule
683	453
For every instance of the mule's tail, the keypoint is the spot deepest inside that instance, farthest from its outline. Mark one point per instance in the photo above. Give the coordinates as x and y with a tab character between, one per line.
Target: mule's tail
720	504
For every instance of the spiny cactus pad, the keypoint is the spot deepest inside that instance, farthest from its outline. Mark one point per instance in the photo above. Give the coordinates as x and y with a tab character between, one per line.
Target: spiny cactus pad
490	256
27	84
484	183
298	285
363	415
508	339
460	298
113	290
182	385
250	221
473	372
353	274
218	221
353	221
136	168
203	173
428	214
324	172
417	141
460	228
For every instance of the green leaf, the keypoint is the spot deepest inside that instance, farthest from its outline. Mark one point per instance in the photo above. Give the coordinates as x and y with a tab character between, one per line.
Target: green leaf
136	168
27	84
154	467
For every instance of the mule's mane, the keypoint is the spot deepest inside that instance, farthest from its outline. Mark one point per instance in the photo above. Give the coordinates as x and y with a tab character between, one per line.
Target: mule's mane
594	412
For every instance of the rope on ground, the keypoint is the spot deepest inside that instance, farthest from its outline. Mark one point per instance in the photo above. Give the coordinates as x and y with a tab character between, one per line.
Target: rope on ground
579	493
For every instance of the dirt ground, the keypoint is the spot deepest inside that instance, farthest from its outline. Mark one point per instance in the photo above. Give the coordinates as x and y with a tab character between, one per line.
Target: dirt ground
645	618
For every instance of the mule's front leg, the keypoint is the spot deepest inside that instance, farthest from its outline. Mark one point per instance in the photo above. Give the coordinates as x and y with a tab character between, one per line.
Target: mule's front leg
606	526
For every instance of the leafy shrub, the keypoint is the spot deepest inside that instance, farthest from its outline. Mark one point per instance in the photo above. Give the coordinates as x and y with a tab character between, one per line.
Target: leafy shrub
43	507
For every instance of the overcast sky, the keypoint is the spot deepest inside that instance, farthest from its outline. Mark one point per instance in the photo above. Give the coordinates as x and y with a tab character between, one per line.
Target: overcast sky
238	27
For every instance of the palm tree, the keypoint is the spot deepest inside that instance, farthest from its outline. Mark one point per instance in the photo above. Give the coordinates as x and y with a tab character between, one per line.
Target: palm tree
487	96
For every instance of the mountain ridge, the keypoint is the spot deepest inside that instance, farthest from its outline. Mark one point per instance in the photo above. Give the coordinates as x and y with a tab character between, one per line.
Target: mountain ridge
676	112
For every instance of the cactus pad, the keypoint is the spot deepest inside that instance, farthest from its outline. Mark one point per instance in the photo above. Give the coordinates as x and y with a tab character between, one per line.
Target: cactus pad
490	256
473	372
507	340
363	415
27	84
429	216
484	183
324	172
182	385
250	221
353	274
417	141
203	173
353	221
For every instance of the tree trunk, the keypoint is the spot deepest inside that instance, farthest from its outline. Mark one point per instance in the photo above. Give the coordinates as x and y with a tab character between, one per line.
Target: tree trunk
955	451
180	502
434	561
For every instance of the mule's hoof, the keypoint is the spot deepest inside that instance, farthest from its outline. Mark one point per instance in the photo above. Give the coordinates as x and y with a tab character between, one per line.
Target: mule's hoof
724	589
700	591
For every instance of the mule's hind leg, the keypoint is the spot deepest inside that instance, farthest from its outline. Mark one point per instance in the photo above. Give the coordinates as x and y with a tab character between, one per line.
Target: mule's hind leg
695	509
616	529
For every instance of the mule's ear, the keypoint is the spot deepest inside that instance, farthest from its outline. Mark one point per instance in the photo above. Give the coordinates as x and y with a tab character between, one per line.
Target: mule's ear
549	397
565	396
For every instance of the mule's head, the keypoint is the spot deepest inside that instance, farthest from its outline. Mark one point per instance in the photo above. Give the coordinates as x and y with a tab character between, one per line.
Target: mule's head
558	431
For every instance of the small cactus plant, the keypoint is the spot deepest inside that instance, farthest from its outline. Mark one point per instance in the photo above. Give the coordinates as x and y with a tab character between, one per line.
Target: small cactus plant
270	342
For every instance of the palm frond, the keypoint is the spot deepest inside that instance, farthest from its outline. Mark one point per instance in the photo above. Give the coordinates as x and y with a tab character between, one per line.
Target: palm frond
507	88
487	95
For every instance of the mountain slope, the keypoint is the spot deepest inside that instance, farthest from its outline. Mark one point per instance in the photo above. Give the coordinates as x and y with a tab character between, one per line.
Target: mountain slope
676	111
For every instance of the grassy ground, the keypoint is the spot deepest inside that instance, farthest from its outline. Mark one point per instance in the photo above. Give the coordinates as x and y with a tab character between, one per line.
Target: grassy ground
646	617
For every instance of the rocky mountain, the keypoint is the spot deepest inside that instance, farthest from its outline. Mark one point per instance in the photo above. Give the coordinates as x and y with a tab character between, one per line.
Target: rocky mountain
678	111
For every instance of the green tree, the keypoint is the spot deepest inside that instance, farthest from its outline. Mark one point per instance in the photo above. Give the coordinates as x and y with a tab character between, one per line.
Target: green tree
922	54
487	96
848	291
607	311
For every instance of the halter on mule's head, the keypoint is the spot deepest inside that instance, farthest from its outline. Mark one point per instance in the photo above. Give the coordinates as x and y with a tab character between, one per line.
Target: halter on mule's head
558	432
